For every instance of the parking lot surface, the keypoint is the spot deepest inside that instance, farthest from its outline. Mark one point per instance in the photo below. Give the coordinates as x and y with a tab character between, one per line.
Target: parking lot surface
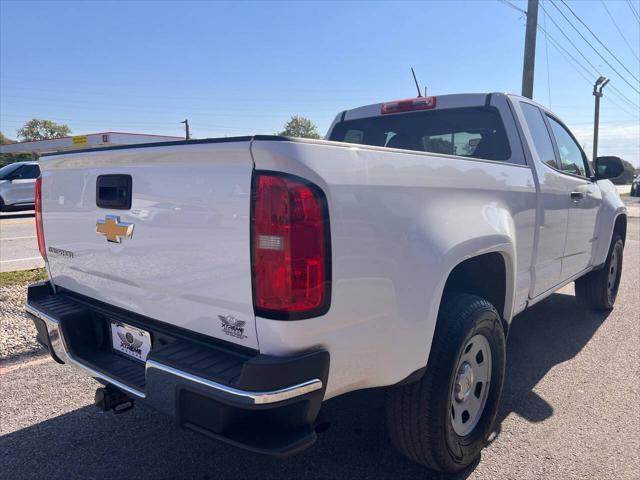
18	244
570	409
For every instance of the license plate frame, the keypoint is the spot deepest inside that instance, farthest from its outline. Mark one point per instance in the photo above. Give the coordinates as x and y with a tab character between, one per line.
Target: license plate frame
129	341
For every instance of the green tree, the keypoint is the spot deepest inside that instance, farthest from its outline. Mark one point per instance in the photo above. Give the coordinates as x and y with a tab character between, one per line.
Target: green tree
300	127
38	129
4	140
626	176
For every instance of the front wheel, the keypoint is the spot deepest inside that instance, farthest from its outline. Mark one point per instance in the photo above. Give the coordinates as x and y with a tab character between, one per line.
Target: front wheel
442	421
598	289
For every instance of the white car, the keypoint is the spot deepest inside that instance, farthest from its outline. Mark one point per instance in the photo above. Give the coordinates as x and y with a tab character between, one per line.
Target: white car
393	254
17	181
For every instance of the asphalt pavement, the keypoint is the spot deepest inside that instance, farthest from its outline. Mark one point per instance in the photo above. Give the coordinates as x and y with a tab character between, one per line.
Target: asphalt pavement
18	244
570	409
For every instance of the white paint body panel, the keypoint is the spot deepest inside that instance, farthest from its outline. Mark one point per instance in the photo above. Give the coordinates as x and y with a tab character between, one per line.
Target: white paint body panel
188	260
400	222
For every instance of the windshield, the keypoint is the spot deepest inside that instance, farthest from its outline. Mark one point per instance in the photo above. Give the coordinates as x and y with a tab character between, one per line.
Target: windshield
8	170
476	132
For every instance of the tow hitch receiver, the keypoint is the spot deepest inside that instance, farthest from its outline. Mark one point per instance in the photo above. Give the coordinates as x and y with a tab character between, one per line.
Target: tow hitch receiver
108	398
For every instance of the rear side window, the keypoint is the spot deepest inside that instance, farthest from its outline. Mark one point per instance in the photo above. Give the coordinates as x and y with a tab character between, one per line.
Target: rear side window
30	171
476	132
540	133
27	172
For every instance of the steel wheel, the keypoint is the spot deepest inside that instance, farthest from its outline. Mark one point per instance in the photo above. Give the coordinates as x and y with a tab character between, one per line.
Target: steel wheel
612	275
471	385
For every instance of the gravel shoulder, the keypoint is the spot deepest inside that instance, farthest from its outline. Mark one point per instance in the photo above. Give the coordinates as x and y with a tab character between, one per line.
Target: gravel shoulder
17	332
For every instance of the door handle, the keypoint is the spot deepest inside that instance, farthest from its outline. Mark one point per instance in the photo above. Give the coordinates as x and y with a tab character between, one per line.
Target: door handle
577	196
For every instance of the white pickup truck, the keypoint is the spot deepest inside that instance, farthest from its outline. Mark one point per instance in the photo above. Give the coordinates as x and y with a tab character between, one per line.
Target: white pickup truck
237	283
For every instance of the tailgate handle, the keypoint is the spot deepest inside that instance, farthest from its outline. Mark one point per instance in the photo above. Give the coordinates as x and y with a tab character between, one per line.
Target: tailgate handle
113	191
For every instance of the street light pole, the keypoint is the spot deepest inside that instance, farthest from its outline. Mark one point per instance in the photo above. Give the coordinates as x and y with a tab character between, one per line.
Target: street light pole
530	49
186	127
597	92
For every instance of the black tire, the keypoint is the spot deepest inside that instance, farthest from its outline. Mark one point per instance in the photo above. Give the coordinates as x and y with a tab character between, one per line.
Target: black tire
598	290
1	205
419	415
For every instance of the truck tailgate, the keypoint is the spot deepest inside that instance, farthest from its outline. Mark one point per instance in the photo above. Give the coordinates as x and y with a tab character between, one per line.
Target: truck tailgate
187	260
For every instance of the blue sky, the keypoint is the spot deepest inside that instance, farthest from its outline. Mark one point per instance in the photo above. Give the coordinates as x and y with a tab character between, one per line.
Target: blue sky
246	67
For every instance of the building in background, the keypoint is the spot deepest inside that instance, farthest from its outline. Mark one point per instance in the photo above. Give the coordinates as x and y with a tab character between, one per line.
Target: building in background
77	142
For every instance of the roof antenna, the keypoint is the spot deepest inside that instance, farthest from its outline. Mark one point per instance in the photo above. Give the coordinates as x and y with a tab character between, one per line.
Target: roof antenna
416	80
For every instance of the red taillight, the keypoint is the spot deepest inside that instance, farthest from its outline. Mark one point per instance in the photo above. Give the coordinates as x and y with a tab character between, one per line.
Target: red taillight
290	248
409	105
38	206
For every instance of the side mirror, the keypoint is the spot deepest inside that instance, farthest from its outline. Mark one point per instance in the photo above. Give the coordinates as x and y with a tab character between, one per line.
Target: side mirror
608	167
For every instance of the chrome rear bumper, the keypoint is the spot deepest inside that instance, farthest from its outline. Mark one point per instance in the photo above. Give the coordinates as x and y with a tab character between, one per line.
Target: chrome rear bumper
62	351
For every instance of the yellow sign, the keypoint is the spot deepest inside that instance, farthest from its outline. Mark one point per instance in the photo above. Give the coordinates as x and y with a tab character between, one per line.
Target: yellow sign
80	140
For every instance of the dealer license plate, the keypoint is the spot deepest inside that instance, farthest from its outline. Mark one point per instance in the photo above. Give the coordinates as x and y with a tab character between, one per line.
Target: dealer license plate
130	340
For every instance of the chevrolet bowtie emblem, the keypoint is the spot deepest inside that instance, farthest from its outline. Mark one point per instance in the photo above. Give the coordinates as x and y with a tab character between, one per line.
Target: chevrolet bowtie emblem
114	229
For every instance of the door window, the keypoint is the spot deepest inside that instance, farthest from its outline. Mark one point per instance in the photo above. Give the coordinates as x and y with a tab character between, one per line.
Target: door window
27	172
571	158
540	133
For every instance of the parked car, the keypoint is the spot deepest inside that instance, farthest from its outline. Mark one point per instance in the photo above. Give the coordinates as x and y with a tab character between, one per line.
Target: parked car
393	254
17	182
635	187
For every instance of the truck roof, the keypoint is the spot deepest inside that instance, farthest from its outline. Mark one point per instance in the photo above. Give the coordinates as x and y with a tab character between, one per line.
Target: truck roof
455	100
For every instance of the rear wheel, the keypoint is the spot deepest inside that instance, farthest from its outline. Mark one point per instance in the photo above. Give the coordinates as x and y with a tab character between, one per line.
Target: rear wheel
598	289
1	205
442	421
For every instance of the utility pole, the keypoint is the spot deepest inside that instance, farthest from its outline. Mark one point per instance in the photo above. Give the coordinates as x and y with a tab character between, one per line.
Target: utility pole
530	49
186	128
597	92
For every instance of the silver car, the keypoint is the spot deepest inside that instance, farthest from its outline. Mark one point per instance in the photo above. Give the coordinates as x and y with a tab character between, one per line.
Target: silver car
17	181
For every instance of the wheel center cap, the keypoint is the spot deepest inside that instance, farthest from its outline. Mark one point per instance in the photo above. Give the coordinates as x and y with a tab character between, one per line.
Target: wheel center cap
464	382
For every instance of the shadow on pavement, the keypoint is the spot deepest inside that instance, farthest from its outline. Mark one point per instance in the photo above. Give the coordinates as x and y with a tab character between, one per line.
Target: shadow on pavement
543	336
142	444
23	356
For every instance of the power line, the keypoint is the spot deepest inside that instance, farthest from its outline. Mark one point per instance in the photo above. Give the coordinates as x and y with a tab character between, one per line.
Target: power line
585	77
593	48
633	9
595	69
614	90
618	28
567	56
169	110
515	7
599	41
